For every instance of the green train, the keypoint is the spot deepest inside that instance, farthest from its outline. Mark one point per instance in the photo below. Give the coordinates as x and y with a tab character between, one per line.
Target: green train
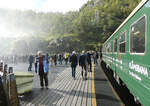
127	53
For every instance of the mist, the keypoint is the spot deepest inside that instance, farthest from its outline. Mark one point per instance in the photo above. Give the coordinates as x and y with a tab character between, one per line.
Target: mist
19	32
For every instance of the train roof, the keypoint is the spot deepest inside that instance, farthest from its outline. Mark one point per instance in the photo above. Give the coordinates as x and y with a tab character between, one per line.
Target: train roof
131	14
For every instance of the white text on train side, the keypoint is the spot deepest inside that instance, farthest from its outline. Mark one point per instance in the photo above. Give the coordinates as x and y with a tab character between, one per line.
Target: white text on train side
140	69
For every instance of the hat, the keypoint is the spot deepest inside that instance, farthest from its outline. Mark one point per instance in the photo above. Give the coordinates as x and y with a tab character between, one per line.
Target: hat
83	52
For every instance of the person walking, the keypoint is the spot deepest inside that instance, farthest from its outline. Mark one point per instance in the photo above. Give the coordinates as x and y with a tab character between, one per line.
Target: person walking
46	69
51	59
83	64
43	68
55	59
97	56
36	62
89	60
31	60
66	57
74	62
60	58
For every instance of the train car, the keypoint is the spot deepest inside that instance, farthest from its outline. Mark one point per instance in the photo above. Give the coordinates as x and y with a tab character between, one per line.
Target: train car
127	53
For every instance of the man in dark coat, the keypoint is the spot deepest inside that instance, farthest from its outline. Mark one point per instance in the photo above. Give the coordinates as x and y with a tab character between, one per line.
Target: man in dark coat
55	59
89	60
83	64
31	60
74	62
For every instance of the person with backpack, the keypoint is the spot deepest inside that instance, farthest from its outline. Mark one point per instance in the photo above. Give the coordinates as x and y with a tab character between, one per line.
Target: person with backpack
74	62
89	55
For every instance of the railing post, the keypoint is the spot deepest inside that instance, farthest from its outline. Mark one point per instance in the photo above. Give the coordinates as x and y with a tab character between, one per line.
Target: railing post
8	87
4	99
13	95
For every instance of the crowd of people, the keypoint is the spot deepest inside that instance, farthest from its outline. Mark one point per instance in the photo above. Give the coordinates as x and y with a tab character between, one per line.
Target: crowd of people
42	62
85	62
54	59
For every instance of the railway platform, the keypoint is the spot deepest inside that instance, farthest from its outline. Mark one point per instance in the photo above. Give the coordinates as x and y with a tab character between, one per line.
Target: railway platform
105	94
65	91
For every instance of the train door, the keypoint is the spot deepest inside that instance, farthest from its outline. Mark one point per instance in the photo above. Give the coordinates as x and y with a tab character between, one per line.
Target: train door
122	57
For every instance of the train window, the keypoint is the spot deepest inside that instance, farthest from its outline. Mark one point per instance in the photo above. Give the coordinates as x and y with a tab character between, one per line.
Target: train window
107	48
122	43
137	36
115	45
110	48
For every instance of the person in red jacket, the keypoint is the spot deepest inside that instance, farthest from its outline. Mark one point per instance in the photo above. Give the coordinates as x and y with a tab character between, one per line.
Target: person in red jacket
43	66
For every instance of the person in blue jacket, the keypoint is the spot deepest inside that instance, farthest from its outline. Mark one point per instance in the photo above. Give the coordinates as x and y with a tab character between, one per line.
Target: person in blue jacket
46	63
43	69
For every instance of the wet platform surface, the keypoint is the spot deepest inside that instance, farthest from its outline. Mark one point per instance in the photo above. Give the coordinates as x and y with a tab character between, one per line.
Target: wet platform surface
65	91
105	94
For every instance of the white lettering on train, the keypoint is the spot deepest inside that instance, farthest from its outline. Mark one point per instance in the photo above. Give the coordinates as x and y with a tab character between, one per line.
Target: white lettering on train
140	69
135	76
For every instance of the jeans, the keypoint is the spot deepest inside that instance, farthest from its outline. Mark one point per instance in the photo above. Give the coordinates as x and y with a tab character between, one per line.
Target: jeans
73	71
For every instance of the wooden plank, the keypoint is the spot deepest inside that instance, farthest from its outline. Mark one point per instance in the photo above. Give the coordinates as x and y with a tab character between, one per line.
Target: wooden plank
85	95
52	92
74	90
13	95
74	100
36	100
79	101
3	96
89	98
60	91
69	90
63	91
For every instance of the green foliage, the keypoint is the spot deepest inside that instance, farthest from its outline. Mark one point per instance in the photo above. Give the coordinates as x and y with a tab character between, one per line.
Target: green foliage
86	29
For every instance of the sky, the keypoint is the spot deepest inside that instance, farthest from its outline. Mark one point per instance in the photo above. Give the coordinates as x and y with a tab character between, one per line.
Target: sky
43	5
38	5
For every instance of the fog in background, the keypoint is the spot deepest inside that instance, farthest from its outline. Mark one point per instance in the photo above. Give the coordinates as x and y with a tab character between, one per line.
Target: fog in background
19	32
